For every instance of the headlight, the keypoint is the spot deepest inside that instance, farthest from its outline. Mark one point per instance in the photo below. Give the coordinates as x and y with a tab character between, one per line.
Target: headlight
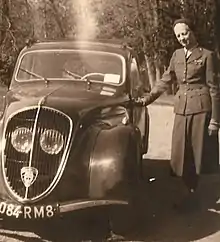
21	139
51	142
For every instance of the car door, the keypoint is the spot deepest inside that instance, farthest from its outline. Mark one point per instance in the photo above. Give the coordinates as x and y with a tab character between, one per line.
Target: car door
140	113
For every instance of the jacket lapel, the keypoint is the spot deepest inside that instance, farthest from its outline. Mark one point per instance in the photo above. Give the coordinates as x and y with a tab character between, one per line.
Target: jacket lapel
196	54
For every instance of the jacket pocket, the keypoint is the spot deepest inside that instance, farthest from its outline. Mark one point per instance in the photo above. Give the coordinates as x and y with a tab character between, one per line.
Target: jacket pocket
205	100
180	103
193	104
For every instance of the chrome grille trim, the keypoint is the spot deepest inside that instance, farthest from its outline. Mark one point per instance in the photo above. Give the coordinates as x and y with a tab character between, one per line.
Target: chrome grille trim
33	140
61	161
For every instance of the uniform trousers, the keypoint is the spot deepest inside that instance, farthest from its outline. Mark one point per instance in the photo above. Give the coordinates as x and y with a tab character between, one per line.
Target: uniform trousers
193	150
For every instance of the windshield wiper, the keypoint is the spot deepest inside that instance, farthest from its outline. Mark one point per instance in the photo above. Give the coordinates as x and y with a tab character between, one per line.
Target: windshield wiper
35	75
74	75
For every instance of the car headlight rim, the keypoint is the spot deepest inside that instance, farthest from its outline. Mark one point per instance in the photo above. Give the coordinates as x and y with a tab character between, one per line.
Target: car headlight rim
21	139
51	141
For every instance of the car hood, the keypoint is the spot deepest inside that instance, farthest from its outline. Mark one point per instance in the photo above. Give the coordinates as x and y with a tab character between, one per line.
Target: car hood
72	99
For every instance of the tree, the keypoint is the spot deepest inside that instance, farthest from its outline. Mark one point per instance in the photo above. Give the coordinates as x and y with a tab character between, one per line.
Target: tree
146	25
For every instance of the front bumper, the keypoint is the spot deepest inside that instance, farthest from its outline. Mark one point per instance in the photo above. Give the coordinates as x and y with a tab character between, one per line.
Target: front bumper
49	211
72	206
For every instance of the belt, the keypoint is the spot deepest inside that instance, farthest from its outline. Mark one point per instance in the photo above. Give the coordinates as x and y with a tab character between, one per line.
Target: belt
192	85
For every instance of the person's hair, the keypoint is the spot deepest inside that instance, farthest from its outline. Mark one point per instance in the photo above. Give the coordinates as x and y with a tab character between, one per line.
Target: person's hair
184	21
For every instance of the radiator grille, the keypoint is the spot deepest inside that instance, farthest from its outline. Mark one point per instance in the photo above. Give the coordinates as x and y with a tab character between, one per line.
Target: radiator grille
49	166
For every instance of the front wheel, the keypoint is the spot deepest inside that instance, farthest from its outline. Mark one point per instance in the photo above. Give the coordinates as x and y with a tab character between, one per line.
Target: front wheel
124	220
128	218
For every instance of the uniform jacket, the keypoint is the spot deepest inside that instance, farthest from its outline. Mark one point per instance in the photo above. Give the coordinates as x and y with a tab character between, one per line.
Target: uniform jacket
196	78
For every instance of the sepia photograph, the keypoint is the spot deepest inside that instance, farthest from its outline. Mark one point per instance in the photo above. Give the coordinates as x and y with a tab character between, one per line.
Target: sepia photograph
109	120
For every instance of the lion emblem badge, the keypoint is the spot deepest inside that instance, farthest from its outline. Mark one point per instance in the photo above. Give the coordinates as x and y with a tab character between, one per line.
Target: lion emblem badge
28	175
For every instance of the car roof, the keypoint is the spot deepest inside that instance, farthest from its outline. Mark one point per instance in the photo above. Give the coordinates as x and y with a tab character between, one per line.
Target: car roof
113	46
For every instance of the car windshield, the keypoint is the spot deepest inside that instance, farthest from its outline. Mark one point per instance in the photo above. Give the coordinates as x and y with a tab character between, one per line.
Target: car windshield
71	65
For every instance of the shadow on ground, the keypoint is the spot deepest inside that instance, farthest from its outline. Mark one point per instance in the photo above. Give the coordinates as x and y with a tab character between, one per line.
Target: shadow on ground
163	222
158	220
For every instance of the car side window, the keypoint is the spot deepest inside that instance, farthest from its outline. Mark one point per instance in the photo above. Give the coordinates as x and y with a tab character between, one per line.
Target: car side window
136	84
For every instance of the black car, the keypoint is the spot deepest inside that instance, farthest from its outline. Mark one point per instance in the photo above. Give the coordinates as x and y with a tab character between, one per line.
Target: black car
72	136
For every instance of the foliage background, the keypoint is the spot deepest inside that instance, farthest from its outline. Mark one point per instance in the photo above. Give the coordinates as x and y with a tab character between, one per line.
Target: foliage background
146	25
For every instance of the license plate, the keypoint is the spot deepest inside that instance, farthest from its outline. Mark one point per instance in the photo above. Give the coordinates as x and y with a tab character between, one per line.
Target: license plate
27	212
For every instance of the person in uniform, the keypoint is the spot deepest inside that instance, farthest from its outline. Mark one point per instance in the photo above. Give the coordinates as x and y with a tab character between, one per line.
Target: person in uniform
196	106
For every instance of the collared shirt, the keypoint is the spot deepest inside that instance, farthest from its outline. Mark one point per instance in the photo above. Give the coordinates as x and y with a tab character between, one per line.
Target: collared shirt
188	52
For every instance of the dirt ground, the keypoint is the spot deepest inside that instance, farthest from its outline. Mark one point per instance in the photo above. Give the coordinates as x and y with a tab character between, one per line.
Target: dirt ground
161	123
159	222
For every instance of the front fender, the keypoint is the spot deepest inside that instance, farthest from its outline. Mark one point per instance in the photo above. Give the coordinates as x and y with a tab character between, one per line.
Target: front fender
3	191
113	162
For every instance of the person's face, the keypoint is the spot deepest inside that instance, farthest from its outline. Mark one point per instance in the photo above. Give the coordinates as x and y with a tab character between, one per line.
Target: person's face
184	35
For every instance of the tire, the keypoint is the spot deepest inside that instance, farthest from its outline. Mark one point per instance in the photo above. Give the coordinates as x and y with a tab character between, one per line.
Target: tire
126	218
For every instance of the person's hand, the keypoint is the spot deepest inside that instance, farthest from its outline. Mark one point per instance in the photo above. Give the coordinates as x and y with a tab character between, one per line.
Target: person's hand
143	101
140	101
213	128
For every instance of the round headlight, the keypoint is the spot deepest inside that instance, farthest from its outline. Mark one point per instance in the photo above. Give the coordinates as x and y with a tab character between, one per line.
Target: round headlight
51	142
21	139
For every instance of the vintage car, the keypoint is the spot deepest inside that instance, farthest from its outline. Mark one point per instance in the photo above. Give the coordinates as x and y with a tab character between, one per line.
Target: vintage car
72	136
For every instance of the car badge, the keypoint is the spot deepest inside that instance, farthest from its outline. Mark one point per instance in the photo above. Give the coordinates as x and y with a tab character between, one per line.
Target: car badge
28	175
